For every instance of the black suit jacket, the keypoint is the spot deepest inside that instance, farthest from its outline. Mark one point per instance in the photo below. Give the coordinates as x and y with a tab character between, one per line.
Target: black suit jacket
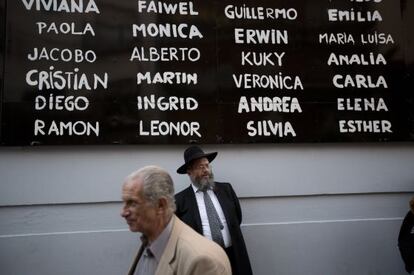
406	241
187	211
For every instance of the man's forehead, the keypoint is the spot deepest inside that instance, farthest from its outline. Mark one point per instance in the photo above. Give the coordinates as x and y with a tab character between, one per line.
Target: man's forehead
201	161
132	187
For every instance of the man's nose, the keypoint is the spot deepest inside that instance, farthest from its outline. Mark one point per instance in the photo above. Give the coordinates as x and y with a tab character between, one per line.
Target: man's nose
124	212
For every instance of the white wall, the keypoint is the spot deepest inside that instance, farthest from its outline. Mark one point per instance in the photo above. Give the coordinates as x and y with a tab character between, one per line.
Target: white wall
308	208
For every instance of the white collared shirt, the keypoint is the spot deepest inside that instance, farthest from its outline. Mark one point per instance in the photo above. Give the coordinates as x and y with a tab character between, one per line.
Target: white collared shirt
203	215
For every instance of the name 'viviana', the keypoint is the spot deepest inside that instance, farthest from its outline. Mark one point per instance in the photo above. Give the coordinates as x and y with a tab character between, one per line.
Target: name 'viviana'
69	6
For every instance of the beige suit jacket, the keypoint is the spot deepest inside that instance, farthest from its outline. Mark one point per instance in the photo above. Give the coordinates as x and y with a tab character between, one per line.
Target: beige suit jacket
189	253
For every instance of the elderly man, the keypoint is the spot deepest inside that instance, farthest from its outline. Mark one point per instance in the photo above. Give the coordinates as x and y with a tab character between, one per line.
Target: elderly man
212	208
168	245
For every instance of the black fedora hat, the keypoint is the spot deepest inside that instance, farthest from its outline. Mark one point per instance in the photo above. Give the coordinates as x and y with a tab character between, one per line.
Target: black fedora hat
192	153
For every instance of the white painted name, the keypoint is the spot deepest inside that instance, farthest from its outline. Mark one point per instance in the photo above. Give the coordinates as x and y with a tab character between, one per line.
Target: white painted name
362	104
69	6
340	38
159	7
167	78
61	128
182	30
253	36
65	55
277	81
270	128
165	128
356	59
259	13
165	54
171	103
364	1
377	38
64	28
284	104
365	126
61	103
261	58
335	15
359	81
60	80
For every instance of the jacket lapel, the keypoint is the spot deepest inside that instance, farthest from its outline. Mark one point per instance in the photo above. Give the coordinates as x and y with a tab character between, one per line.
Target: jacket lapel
164	266
192	207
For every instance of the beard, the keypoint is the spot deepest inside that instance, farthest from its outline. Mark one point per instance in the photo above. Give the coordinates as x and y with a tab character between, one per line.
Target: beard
203	183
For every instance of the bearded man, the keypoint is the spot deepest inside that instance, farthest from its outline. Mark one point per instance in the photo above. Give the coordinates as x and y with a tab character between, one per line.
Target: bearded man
212	208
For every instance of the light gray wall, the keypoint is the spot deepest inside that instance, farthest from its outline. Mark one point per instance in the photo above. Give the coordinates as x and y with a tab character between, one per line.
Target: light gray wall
308	208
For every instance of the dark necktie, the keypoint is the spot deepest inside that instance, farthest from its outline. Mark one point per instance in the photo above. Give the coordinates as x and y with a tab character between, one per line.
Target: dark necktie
214	220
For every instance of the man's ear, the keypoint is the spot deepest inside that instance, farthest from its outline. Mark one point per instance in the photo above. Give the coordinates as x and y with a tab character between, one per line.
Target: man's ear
162	205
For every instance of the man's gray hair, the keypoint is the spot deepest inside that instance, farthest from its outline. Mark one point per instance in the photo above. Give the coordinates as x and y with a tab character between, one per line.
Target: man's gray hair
157	183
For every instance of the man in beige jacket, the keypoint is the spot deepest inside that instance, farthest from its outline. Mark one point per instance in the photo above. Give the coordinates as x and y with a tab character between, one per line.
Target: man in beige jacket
168	245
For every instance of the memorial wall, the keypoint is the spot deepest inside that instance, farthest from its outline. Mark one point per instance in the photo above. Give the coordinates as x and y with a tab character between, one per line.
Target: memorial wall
176	72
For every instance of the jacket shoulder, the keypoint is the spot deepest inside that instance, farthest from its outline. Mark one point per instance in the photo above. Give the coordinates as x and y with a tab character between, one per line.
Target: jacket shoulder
204	249
183	193
223	184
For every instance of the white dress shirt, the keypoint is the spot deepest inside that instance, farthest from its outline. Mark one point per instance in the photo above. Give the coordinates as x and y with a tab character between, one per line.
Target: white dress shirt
203	215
